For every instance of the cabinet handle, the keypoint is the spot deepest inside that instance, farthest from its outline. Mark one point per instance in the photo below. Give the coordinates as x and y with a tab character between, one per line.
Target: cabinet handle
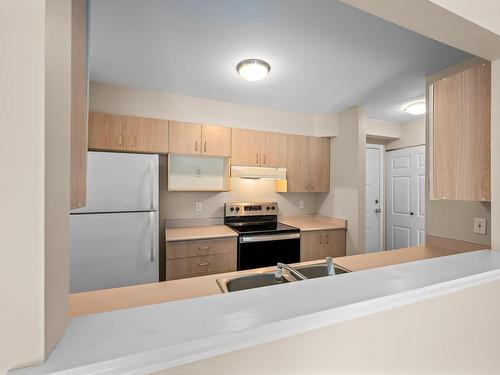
203	264
132	141
321	239
205	146
327	239
203	248
264	158
119	140
196	146
257	158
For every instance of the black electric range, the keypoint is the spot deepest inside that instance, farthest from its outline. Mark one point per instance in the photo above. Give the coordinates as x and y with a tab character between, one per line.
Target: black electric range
262	240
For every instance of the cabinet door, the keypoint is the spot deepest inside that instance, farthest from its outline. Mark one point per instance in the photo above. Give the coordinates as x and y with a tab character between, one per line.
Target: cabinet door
461	124
333	243
79	108
216	140
297	149
319	165
106	132
184	138
245	147
273	149
146	134
311	246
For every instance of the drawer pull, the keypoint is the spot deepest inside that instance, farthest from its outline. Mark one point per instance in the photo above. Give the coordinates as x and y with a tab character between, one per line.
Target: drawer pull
204	264
203	248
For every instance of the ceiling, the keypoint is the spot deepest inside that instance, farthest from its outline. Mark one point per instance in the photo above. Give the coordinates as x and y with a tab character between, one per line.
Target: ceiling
325	56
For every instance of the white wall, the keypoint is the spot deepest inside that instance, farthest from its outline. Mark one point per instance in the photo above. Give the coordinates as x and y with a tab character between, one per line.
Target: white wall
383	129
412	134
347	179
495	155
156	104
34	160
452	334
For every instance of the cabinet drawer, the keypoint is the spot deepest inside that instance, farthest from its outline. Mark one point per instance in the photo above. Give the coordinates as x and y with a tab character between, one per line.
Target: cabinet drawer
201	265
187	249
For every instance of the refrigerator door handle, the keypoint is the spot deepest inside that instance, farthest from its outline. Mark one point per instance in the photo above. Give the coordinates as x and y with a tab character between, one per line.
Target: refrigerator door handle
152	175
151	235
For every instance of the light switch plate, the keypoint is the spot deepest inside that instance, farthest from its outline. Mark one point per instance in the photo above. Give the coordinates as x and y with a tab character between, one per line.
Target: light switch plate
479	225
301	204
198	206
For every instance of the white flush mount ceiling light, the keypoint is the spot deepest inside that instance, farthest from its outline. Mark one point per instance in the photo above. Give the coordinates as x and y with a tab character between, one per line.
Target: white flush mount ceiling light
415	108
253	69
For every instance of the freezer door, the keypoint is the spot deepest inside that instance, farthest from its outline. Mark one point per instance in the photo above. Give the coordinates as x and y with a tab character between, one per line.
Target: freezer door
119	182
113	250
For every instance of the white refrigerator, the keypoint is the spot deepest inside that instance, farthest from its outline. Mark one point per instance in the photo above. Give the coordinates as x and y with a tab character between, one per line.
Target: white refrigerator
115	238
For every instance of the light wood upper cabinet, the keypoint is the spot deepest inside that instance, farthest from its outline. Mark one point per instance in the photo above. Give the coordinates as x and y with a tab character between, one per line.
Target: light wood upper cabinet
319	164
245	147
297	163
184	138
216	140
316	245
273	149
109	132
106	132
79	112
460	135
145	134
308	164
257	148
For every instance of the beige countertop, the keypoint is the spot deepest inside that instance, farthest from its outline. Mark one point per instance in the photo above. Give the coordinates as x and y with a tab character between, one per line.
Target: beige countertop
147	294
198	233
314	222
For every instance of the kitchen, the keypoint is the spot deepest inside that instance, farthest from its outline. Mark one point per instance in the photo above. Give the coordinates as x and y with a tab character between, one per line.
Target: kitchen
183	194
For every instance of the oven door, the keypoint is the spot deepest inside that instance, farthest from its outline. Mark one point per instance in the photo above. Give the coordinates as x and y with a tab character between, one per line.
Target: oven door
255	251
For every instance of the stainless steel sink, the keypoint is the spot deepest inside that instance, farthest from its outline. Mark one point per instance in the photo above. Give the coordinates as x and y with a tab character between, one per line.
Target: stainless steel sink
251	281
318	270
257	280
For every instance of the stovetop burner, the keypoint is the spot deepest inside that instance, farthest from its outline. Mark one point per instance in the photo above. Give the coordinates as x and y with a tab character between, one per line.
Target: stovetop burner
255	218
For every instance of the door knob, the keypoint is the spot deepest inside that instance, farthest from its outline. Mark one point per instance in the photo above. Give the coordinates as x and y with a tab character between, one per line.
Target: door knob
378	210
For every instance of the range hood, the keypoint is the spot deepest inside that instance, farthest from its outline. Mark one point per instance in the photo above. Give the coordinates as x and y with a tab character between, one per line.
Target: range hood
258	173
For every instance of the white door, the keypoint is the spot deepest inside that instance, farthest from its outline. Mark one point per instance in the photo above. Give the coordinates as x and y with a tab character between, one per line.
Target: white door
118	182
405	197
113	250
373	222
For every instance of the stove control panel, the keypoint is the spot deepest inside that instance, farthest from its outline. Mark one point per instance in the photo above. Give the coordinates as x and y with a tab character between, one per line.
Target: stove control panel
250	209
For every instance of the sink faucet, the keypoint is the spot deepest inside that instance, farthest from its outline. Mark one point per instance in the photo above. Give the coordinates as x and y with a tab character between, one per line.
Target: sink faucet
279	272
330	269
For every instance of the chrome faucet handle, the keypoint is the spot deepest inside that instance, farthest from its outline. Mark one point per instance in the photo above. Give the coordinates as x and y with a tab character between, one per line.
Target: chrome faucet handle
330	268
278	275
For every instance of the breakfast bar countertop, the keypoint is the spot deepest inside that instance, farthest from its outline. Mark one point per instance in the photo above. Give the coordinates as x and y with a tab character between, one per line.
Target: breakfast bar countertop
148	294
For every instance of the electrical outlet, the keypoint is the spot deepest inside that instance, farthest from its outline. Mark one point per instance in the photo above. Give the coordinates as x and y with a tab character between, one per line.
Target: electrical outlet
198	206
479	225
301	204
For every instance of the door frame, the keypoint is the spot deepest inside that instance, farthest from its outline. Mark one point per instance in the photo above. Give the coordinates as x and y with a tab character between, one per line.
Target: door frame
381	149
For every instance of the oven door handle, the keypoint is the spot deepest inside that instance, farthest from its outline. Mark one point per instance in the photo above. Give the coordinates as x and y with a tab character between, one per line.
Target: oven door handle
272	237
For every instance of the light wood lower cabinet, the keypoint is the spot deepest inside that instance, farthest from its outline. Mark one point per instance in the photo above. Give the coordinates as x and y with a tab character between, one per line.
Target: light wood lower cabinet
200	257
320	244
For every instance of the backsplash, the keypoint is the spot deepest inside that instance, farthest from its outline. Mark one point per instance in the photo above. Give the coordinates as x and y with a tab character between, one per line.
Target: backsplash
182	205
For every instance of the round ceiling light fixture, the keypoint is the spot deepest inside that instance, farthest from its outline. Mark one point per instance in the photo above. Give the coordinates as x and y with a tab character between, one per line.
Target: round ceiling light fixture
253	69
415	108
